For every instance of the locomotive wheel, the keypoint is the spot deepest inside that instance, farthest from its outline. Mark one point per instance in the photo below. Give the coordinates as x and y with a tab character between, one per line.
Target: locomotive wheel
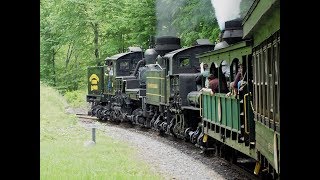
113	116
99	114
186	134
152	121
195	136
200	139
171	125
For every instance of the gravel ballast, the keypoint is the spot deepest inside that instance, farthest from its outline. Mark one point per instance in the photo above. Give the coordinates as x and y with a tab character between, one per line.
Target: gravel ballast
170	157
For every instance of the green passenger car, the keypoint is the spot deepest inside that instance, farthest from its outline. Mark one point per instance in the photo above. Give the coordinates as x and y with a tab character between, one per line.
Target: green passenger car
249	122
262	24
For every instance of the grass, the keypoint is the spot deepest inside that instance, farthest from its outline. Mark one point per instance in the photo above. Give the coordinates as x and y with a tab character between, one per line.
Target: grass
76	98
64	156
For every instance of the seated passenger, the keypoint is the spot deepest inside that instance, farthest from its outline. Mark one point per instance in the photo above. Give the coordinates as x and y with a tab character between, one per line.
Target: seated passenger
213	84
237	79
224	85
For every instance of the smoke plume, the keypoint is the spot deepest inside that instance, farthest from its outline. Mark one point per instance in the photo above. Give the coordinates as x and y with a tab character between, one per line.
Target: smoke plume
165	13
226	10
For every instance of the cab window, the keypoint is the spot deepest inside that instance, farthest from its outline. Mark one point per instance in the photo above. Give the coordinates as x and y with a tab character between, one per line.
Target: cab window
124	66
184	62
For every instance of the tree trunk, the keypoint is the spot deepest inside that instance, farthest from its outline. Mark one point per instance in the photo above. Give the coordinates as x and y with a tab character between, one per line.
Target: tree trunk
96	41
53	67
69	53
122	39
121	46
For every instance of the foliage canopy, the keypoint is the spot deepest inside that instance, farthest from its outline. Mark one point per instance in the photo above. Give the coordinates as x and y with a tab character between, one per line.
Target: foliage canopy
75	34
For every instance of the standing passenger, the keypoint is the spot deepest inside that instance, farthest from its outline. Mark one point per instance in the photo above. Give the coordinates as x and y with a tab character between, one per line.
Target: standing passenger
205	74
238	82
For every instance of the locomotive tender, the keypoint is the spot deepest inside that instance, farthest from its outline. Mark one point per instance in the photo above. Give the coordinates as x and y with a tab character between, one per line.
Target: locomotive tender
157	89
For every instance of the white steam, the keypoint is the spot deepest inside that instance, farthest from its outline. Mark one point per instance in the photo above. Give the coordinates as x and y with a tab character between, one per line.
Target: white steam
226	10
165	11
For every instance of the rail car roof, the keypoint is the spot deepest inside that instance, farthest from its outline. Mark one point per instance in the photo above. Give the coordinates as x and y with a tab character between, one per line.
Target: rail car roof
217	56
262	20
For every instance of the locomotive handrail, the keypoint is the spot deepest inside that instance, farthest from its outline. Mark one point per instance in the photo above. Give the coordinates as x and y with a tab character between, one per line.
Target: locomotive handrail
245	113
251	103
200	102
158	66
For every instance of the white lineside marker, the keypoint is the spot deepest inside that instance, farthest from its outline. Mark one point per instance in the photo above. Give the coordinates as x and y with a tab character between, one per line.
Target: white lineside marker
92	142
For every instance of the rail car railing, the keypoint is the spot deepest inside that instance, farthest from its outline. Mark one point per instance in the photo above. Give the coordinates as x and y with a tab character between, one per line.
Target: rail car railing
221	110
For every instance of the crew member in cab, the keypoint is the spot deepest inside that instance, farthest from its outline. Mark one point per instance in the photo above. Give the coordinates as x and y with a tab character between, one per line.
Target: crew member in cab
202	79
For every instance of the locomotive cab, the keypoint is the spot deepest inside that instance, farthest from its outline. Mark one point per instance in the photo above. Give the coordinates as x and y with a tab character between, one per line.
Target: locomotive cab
120	68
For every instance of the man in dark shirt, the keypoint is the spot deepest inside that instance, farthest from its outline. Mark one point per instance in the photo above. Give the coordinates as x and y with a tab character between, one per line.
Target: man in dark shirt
213	83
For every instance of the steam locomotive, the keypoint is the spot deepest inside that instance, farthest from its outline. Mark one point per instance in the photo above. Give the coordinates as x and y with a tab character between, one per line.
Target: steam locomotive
157	89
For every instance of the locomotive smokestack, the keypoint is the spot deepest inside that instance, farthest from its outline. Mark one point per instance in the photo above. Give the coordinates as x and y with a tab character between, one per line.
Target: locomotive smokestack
233	31
231	34
166	44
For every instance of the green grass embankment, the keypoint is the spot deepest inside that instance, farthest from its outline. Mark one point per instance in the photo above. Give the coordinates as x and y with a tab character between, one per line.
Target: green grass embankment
64	156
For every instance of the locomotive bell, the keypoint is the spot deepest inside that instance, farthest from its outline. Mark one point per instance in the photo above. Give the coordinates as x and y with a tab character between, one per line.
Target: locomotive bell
221	45
202	42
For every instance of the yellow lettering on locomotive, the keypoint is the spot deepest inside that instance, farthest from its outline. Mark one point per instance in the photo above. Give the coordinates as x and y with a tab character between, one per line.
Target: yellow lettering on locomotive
151	85
94	79
94	87
94	76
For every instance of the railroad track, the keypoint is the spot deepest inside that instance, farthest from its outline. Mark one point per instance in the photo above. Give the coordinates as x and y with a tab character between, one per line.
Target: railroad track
244	169
85	116
239	167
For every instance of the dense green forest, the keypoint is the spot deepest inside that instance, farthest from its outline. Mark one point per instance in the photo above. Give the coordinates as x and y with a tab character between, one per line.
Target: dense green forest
75	34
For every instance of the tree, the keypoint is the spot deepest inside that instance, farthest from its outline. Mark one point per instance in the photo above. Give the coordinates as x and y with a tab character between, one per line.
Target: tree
75	34
79	33
196	20
49	43
188	19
